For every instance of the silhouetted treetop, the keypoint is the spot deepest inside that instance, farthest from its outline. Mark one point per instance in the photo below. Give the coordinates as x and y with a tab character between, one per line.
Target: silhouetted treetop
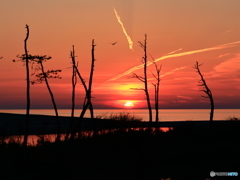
35	58
37	65
49	74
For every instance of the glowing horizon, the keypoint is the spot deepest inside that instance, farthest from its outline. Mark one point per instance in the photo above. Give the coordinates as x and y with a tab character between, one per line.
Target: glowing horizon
179	34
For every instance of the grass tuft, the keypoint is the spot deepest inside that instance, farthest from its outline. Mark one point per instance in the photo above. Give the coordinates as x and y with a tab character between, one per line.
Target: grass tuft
233	118
122	116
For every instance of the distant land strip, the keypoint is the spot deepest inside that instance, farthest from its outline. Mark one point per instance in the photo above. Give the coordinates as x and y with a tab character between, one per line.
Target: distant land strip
14	124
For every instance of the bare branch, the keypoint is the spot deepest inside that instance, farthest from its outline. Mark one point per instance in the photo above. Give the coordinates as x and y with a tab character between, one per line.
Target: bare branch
134	75
154	75
205	96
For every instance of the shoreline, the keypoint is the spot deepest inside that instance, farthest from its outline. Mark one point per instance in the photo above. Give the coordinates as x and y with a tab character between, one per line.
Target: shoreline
14	124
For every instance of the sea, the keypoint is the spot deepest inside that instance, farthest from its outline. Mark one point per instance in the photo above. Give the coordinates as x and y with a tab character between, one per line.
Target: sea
164	114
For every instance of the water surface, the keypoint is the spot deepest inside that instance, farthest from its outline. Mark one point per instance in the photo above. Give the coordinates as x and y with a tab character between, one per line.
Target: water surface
164	114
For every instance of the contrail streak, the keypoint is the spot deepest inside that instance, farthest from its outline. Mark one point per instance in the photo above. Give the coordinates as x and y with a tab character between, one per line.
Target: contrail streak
174	51
170	72
124	30
223	46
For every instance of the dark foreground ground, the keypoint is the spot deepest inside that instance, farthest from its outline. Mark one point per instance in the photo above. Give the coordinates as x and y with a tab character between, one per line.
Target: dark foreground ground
183	153
14	124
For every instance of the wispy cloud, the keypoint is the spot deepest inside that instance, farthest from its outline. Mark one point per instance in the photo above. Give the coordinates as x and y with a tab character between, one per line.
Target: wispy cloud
228	31
185	97
230	66
183	78
229	69
222	46
223	55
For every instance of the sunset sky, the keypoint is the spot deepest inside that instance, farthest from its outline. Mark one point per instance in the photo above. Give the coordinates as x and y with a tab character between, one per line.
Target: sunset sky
180	32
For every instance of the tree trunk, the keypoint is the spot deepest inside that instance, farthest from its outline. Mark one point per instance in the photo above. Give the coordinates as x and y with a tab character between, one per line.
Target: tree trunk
212	108
156	105
90	80
146	82
156	90
207	91
53	101
74	82
89	92
78	124
28	90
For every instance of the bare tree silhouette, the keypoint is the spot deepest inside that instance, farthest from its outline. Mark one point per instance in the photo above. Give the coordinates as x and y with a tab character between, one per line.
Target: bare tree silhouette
78	124
89	96
87	102
25	58
156	91
144	78
44	76
74	83
205	90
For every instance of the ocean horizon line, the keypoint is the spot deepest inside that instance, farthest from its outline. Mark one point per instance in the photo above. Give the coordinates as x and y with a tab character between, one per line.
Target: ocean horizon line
109	108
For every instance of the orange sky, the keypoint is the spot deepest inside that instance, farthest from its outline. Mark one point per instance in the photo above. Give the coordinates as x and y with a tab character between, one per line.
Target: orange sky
179	34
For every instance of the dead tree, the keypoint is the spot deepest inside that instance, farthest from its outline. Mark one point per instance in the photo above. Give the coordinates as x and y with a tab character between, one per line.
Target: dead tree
77	125
144	78
74	82
88	102
44	76
88	90
156	91
205	90
25	59
89	96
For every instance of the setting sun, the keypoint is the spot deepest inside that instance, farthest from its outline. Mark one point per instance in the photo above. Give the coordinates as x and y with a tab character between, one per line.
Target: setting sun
129	104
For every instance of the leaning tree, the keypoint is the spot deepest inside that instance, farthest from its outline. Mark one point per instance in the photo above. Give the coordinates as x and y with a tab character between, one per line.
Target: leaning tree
206	89
43	76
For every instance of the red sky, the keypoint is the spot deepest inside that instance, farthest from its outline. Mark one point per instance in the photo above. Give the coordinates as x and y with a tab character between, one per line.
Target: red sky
179	34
